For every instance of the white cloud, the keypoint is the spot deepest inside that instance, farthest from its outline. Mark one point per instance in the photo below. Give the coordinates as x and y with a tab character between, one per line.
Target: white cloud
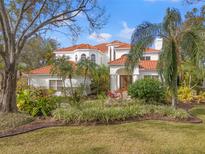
101	37
126	32
162	0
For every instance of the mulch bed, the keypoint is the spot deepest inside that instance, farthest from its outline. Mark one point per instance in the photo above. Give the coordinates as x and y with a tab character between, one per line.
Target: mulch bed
49	122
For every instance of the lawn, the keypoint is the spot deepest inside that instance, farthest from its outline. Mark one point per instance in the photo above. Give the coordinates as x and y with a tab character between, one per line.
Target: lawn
136	137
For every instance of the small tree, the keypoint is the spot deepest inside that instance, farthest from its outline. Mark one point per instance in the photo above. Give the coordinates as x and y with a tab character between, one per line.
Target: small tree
65	70
100	78
86	68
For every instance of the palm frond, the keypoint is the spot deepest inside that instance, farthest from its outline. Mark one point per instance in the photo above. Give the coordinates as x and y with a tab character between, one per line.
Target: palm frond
172	21
142	38
192	46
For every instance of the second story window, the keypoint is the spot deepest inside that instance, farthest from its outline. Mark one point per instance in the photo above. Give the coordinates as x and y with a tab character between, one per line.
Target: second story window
93	58
146	58
83	56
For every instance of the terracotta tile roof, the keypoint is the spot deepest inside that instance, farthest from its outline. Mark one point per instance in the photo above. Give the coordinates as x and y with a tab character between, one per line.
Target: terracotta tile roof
46	70
148	64
144	64
42	70
151	50
120	61
103	47
79	46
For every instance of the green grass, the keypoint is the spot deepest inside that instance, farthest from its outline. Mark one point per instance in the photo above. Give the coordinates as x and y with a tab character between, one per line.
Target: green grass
12	120
136	137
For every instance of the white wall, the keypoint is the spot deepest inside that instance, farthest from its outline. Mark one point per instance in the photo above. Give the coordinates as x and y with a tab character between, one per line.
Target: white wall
120	52
153	56
43	81
100	57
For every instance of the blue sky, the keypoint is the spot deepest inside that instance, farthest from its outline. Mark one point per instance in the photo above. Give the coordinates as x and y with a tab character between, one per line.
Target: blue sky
125	15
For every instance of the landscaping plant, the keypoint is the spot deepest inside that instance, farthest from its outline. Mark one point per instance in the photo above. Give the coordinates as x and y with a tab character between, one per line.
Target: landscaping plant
151	90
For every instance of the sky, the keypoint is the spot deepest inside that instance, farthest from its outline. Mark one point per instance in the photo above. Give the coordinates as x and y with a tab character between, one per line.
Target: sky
124	16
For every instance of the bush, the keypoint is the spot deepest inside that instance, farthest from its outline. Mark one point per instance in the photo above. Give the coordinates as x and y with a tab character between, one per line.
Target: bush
98	112
37	102
185	94
151	90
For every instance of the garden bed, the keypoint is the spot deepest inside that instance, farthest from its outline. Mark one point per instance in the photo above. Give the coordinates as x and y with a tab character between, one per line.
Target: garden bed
98	113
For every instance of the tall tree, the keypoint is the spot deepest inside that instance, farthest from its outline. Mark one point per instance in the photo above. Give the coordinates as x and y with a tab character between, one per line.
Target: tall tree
178	40
38	52
20	20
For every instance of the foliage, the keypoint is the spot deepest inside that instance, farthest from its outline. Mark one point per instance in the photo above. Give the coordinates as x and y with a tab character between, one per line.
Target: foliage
185	94
13	120
188	95
37	102
148	89
100	79
64	69
179	40
96	111
38	52
86	67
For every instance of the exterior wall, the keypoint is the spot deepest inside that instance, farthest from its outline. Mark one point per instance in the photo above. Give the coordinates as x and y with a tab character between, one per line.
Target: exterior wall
151	73
120	52
88	52
43	81
117	70
153	56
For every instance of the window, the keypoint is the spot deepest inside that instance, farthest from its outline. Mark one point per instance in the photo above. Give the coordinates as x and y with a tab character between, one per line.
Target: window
56	84
146	58
83	56
151	76
52	84
76	58
59	85
93	58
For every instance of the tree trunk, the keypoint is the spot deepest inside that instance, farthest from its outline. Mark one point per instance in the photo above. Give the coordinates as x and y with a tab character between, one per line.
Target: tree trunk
8	91
71	85
174	101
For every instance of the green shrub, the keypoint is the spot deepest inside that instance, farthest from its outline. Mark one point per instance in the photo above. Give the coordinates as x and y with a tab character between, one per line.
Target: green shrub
37	102
151	90
98	112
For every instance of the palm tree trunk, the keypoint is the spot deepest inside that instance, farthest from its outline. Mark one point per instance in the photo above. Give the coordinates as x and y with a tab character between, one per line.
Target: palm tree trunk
71	85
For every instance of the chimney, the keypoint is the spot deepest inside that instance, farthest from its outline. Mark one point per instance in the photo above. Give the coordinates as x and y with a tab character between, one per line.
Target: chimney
158	43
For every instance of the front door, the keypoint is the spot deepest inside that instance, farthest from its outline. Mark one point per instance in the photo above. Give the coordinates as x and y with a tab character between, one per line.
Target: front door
125	80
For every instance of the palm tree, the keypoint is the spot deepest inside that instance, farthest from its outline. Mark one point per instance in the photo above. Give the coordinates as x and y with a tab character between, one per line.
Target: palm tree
179	42
64	69
100	78
86	67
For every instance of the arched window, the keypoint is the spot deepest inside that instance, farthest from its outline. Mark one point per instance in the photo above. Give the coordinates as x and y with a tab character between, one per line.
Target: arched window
93	58
83	56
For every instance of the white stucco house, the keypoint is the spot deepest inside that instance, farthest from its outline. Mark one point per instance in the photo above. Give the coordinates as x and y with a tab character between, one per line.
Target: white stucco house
112	54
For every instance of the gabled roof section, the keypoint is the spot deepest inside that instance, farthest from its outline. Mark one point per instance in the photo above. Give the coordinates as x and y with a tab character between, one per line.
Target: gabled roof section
79	46
148	64
103	47
46	70
43	70
143	64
